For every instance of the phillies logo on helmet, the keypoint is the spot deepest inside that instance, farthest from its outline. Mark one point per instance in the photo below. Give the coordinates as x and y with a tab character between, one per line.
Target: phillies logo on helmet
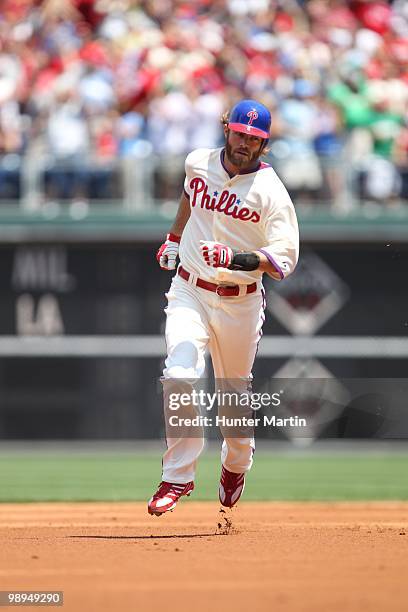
252	114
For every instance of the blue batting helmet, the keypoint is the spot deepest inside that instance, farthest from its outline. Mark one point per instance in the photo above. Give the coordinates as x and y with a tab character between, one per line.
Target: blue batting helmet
250	117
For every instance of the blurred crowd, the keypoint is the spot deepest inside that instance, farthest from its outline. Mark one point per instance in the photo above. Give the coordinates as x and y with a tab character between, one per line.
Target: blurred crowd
85	84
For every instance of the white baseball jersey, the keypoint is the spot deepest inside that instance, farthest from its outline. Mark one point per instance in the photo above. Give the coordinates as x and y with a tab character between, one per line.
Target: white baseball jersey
249	211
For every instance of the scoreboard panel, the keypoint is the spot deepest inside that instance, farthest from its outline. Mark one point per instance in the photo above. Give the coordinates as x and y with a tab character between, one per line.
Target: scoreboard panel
80	289
116	288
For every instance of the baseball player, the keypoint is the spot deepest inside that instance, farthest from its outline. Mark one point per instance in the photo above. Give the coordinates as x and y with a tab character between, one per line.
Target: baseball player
235	221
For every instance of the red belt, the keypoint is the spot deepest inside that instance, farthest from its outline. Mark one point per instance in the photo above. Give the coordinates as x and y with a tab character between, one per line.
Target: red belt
222	290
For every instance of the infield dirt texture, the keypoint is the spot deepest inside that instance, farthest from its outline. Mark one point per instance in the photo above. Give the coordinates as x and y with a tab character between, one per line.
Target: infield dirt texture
284	556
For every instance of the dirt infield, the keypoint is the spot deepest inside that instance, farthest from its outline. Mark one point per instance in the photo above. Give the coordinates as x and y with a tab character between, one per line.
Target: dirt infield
276	556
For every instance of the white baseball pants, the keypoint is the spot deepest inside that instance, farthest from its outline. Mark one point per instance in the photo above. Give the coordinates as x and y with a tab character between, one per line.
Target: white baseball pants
231	328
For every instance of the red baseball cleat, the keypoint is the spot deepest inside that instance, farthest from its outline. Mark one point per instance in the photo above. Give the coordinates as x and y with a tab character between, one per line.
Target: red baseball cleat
167	496
231	487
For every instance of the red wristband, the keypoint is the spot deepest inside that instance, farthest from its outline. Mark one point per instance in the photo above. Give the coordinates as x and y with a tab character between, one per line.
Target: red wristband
173	238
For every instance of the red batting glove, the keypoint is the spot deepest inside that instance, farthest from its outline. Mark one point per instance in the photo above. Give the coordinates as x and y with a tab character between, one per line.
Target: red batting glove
167	254
216	254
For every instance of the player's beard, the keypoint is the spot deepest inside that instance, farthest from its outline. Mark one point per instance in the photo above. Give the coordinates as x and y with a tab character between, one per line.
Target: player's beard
241	161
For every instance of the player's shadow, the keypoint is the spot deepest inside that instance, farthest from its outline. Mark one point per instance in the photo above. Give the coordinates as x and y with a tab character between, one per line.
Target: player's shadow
145	537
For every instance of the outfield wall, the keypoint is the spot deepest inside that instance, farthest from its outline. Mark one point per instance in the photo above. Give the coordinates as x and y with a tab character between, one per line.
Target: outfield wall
81	326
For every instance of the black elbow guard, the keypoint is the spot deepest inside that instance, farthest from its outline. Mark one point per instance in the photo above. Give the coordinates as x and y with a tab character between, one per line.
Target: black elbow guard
245	262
